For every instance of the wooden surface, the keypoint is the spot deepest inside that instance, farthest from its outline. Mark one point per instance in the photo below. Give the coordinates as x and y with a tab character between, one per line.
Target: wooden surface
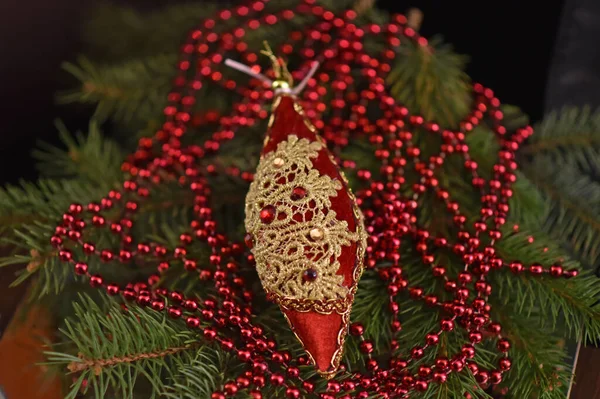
587	375
22	345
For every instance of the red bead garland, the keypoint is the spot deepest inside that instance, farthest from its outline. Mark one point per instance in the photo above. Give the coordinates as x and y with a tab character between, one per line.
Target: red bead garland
391	218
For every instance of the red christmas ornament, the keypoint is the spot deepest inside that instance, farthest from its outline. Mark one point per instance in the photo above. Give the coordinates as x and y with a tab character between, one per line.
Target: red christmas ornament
309	238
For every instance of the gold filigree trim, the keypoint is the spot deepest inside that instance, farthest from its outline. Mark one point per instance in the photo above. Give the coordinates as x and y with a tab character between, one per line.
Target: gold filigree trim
298	247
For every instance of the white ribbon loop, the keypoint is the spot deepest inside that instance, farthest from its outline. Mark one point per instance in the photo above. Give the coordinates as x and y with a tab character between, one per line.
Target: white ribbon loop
280	90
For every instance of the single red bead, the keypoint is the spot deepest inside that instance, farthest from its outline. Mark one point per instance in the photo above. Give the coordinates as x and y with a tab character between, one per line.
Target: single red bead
495	328
516	267
292	393
277	379
408	380
372	365
243	381
158	305
189	265
89	248
462	293
570	273
503	345
431	300
440	378
475	337
308	386
447	325
298	193
244	356
442	363
309	275
421	385
468	351
536	269
432	339
258	380
192	322
267	214
144	299
479	303
129	294
556	270
505	364
356	329
65	255
333	386
458	310
106	255
227	344
174	312
416	352
81	268
56	241
457	365
424	371
495	377
482	377
366	347
450	285
96	281
293	372
112	289
465	277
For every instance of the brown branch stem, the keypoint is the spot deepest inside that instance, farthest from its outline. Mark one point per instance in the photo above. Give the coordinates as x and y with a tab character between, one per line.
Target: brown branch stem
414	18
98	364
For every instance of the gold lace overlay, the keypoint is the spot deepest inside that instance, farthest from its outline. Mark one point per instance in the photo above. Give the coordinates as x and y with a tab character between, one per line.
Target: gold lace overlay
304	235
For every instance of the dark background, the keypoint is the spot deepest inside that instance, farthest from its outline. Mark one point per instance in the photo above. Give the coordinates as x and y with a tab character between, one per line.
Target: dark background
510	44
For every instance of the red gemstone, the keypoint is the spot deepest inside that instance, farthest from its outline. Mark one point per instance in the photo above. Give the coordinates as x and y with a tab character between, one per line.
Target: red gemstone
298	193
309	275
267	214
249	239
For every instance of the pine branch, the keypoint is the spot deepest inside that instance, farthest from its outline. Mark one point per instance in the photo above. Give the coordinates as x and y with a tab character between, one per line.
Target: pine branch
574	206
569	305
147	33
162	30
129	91
97	365
432	83
569	136
122	349
535	353
89	156
200	378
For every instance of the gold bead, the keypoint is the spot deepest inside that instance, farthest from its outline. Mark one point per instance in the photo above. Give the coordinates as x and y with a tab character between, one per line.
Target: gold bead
280	84
278	162
317	234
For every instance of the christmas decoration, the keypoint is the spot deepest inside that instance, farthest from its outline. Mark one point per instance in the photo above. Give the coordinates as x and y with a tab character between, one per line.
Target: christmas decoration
434	315
305	229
